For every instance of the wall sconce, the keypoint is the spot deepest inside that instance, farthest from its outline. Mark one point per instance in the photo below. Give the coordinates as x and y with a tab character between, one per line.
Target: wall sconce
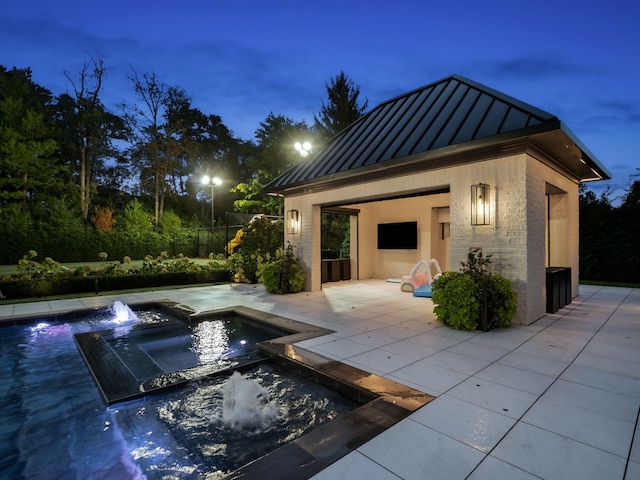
480	204
293	222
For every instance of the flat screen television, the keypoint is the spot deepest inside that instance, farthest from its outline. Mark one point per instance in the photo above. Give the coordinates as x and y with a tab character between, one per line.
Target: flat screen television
398	236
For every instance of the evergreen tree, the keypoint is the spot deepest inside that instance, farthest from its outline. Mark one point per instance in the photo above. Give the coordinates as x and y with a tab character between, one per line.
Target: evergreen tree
342	108
29	170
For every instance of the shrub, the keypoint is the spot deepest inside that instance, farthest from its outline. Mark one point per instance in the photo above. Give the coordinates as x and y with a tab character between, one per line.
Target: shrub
456	298
136	220
103	220
34	279
261	239
247	267
284	274
502	302
475	297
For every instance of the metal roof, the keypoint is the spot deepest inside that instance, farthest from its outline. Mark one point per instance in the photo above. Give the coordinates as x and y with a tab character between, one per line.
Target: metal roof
440	117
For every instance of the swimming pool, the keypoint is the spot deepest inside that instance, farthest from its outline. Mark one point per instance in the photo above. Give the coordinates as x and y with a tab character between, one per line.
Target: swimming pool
55	423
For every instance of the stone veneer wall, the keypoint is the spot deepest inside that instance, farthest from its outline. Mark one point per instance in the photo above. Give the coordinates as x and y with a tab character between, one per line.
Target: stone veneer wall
506	238
515	238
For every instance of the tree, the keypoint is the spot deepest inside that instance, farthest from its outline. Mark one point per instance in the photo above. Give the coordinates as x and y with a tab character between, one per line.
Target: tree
196	144
145	119
596	216
173	139
627	234
90	128
29	171
342	108
271	157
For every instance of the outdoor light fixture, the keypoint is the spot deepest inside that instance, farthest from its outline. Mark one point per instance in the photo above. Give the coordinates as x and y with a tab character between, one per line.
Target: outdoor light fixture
293	222
303	148
212	182
480	204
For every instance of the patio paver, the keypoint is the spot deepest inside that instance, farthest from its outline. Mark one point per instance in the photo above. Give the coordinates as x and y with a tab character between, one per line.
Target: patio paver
558	399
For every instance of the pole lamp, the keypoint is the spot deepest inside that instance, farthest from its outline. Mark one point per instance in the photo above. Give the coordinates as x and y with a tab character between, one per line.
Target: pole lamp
212	182
303	148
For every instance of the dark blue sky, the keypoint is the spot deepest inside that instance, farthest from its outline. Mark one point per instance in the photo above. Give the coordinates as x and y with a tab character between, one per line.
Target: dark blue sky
242	59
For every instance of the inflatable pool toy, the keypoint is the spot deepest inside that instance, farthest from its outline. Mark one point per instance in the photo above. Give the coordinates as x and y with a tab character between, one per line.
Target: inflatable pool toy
423	291
421	275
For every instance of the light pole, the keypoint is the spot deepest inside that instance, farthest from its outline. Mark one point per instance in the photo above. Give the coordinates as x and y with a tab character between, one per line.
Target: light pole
212	182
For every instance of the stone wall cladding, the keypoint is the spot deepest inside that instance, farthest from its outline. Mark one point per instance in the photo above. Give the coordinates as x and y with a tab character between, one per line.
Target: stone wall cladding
515	236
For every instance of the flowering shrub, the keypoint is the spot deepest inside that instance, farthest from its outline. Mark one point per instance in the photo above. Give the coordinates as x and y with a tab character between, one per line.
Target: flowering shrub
261	238
35	279
29	268
284	274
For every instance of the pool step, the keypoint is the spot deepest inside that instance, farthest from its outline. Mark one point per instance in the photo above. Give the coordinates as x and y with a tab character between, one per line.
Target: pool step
117	383
114	379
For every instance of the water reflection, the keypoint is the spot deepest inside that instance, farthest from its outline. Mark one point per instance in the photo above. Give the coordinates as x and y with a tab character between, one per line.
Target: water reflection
210	341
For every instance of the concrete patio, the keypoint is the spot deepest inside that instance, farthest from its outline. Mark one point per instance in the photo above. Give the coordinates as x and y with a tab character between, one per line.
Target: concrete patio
558	399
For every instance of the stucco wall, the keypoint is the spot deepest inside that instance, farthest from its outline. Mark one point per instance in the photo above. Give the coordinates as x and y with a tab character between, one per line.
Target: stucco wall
376	263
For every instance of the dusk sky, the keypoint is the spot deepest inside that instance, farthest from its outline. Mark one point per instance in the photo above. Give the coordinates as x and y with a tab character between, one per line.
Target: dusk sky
243	59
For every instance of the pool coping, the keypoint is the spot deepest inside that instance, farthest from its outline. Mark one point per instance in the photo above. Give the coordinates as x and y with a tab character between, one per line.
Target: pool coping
385	403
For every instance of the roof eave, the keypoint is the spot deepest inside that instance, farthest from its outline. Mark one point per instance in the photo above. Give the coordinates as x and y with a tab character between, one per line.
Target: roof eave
600	172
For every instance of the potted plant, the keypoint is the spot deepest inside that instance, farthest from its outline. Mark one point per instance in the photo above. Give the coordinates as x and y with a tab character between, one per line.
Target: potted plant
474	298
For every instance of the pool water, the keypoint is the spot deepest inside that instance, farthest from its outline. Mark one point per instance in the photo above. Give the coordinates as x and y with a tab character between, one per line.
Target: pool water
56	425
189	430
176	345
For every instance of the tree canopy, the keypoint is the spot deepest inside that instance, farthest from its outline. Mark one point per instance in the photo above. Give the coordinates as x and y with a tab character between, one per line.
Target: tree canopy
273	154
155	148
609	236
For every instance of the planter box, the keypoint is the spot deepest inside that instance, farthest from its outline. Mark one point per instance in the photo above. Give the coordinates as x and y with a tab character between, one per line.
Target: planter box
334	270
345	269
558	288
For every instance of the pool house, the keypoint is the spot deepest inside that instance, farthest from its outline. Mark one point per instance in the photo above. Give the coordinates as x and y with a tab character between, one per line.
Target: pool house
445	168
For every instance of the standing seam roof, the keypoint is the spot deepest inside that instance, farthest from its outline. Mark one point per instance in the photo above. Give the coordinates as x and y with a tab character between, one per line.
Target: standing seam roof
449	112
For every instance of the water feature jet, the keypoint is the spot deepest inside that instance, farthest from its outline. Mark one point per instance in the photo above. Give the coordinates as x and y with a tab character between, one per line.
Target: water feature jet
122	312
246	404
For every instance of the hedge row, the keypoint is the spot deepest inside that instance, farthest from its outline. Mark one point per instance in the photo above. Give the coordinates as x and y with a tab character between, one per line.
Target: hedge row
57	285
82	243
